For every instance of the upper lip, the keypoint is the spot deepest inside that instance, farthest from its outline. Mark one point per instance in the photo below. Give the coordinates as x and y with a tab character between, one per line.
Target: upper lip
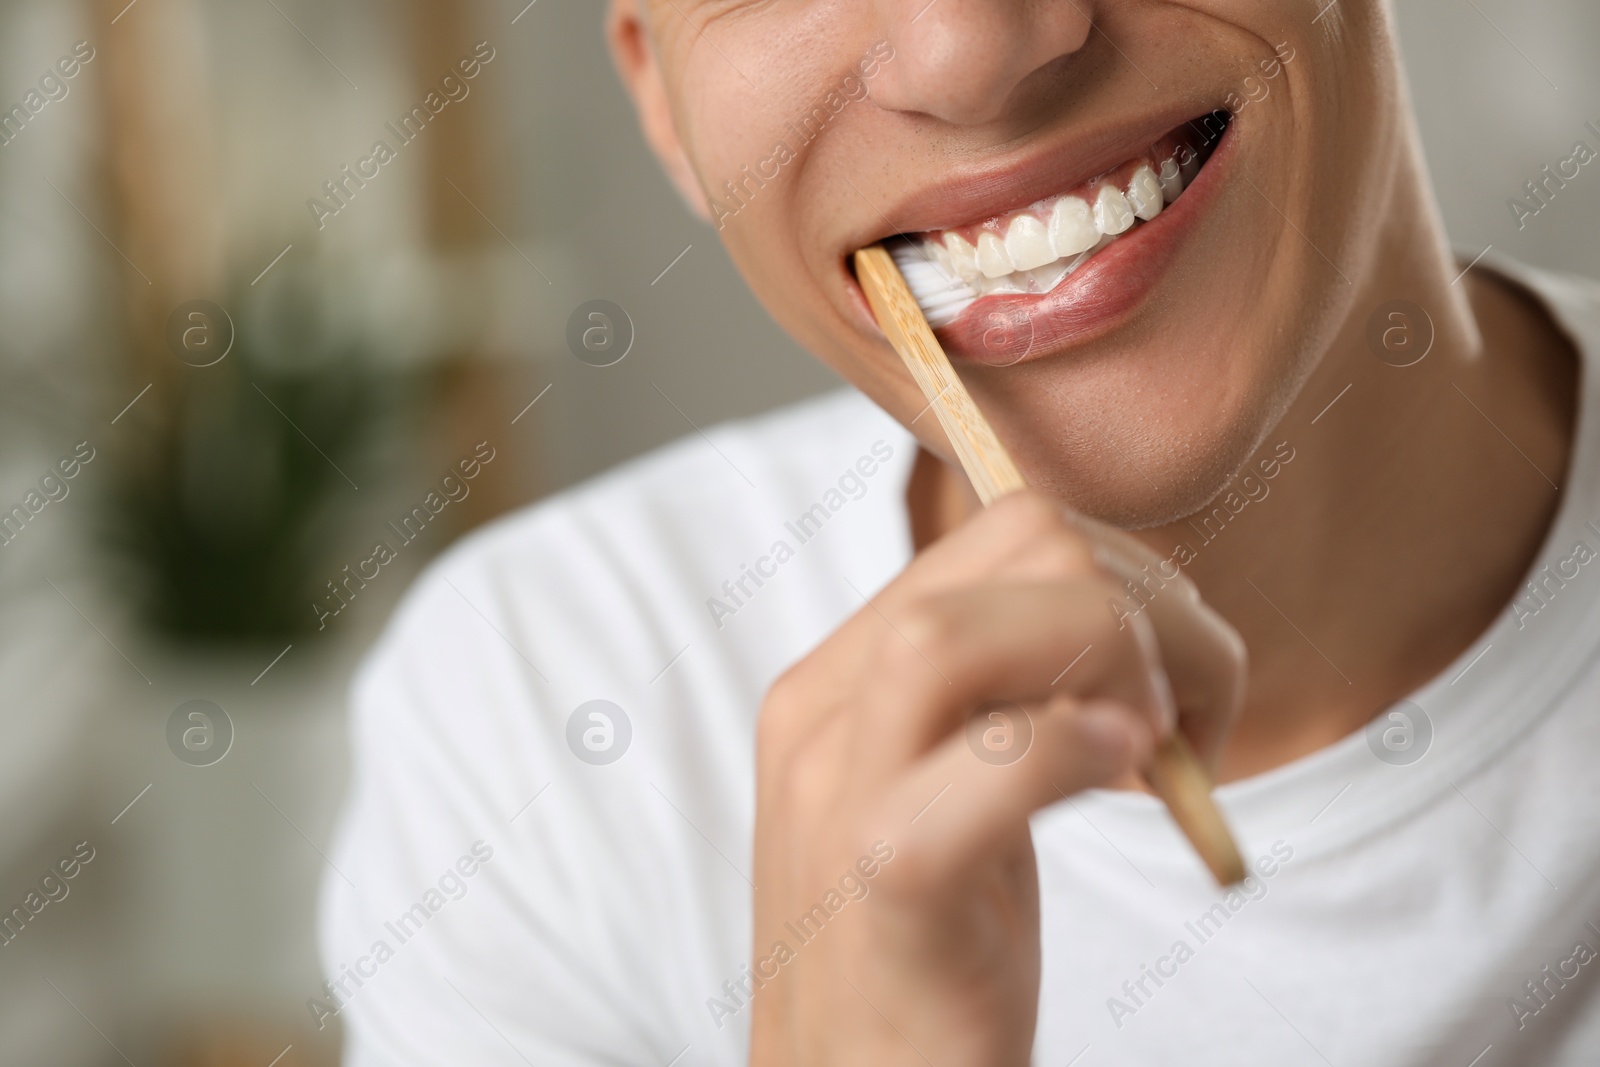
970	194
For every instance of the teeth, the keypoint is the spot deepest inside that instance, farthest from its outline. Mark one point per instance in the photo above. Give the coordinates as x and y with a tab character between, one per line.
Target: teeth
1028	244
962	256
1144	193
1171	183
1112	212
941	295
1037	248
1071	227
993	259
1189	168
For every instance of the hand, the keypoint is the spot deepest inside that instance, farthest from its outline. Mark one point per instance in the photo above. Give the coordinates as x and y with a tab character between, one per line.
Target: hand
907	857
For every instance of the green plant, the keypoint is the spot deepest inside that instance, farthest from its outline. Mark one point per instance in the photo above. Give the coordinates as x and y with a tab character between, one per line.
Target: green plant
246	471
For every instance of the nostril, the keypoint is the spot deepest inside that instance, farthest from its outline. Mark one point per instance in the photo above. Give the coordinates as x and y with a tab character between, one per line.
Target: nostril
961	61
943	87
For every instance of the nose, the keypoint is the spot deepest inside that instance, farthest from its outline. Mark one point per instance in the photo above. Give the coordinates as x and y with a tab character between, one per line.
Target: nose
962	60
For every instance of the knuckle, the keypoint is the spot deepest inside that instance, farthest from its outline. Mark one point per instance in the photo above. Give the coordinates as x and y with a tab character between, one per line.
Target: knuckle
804	776
1235	660
786	692
783	717
1048	541
1030	513
1105	589
781	704
1233	646
1180	581
1063	556
928	629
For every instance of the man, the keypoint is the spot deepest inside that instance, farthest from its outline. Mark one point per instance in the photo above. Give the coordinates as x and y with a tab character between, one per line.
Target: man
786	753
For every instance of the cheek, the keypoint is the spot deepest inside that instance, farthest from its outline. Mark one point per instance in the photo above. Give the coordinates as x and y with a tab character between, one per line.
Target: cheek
1183	396
770	179
750	84
724	121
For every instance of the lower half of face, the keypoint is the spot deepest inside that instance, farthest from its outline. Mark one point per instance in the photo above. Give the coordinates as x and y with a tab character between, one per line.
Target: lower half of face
1134	256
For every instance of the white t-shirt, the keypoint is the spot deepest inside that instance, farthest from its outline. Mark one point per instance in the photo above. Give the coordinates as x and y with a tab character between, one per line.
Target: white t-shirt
523	876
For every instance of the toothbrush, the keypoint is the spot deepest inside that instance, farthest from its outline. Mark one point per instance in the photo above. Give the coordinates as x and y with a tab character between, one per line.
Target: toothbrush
1174	772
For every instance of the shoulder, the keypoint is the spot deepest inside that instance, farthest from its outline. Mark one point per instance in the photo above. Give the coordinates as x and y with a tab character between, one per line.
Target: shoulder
474	725
644	544
618	595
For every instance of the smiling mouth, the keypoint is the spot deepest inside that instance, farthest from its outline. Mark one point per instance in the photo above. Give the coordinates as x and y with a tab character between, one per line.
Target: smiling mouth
1033	250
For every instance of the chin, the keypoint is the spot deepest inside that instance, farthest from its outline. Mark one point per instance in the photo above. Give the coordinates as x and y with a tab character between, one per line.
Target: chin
1125	463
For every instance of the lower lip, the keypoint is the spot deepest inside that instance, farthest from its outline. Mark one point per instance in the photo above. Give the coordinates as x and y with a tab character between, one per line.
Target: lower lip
1003	331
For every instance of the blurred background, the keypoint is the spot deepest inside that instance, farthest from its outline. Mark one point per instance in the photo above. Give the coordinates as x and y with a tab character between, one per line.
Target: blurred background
248	391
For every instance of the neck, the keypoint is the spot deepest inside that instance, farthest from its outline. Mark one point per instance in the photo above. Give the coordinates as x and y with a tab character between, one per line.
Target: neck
1395	523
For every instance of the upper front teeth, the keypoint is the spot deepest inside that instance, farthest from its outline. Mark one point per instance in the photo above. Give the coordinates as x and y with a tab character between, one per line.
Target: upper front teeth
1144	193
1027	244
1072	228
1072	224
1037	247
1171	182
1112	213
993	259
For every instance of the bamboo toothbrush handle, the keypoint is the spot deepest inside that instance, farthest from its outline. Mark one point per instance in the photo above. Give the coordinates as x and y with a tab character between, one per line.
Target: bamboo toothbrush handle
988	465
1174	772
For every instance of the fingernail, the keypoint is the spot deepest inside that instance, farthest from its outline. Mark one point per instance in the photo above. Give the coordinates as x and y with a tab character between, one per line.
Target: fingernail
1109	561
1166	705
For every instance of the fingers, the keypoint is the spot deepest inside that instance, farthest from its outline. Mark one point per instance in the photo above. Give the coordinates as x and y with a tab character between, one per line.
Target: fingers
949	653
1024	525
1203	657
1029	535
914	661
953	809
1023	522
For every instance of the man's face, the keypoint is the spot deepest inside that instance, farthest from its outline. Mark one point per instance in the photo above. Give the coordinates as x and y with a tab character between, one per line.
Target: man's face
1137	225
